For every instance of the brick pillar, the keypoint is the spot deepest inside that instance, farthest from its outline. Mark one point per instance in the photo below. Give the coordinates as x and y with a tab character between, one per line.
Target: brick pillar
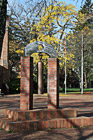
53	84
26	95
4	56
4	53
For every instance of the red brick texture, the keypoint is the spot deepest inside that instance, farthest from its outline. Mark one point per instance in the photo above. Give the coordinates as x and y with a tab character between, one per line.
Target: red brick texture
19	115
4	64
26	94
45	124
34	120
4	53
53	83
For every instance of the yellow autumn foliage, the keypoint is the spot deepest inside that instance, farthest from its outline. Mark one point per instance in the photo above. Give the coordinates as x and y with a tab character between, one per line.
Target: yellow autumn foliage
49	28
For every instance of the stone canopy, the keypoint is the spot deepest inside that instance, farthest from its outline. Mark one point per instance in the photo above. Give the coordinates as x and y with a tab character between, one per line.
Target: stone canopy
33	48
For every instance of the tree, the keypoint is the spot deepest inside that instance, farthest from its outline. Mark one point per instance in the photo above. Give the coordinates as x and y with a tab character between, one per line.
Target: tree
52	26
46	22
85	28
88	51
22	18
87	10
87	7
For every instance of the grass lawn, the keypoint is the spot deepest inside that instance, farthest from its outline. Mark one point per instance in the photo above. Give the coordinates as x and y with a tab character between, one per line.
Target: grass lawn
75	90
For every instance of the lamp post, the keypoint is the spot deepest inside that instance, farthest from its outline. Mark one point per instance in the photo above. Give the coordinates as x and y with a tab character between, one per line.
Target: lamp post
82	53
65	66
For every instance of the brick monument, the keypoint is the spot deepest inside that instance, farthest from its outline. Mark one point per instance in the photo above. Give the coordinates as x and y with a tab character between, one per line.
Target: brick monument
29	119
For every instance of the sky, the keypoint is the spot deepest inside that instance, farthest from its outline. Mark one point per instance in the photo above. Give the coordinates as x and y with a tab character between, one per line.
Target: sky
77	3
74	2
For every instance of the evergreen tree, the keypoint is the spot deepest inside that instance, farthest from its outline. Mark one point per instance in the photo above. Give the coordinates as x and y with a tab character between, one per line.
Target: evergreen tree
87	7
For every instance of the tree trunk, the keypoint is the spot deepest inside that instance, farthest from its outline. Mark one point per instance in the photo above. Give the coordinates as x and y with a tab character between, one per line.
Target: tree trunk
85	80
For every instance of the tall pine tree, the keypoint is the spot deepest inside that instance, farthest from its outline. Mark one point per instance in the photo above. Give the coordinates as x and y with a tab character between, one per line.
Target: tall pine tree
87	9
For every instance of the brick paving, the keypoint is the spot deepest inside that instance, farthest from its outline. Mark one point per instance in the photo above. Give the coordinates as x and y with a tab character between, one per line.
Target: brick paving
83	104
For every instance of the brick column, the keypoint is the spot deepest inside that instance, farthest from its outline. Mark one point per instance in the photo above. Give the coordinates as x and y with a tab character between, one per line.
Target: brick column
4	56
53	84
4	53
26	95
